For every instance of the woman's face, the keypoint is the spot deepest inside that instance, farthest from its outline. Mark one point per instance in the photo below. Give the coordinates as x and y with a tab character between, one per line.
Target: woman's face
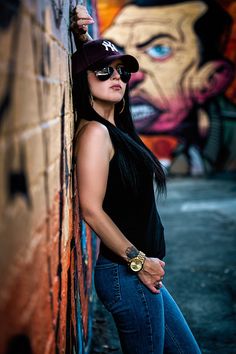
111	90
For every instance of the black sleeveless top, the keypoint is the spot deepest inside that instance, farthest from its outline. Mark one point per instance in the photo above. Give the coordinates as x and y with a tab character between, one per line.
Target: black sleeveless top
134	214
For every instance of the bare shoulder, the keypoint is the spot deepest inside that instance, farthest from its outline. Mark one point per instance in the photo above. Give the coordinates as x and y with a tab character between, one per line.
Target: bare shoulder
94	128
95	134
93	131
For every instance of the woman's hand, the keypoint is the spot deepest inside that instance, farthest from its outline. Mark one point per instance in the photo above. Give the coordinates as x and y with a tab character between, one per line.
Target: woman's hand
152	274
80	19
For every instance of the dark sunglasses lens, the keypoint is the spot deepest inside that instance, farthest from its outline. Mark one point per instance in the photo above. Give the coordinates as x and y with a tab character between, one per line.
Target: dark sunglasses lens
104	74
125	77
124	74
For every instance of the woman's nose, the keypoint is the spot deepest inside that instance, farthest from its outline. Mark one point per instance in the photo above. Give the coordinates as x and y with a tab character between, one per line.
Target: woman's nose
115	74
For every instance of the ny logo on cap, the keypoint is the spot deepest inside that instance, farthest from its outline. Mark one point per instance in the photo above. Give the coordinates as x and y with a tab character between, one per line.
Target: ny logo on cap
110	45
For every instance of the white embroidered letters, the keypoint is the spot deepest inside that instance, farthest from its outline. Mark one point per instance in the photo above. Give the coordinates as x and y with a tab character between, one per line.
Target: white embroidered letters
110	45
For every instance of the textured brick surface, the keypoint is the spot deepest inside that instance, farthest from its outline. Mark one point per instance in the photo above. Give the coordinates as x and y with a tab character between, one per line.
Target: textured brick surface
44	299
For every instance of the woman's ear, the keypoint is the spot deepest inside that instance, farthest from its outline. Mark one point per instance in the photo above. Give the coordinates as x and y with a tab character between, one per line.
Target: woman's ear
212	78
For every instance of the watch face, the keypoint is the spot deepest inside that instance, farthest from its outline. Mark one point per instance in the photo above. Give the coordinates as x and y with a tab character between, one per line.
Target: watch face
136	265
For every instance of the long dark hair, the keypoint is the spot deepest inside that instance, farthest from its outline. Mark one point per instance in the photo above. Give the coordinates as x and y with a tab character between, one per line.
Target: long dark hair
132	153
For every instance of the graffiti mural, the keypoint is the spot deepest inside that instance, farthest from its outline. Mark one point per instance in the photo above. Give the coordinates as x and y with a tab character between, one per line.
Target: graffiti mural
46	252
183	97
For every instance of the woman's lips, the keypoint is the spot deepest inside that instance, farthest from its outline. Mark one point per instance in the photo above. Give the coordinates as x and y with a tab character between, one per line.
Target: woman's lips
116	87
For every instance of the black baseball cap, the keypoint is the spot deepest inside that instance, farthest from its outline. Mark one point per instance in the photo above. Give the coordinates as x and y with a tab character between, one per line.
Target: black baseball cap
94	54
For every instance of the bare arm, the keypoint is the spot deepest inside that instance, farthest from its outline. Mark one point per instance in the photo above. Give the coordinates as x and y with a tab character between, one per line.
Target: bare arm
93	153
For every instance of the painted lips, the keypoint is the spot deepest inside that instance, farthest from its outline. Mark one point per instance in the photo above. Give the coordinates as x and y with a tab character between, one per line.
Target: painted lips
144	114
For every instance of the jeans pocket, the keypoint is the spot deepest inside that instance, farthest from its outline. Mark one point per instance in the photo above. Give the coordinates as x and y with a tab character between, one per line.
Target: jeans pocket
107	284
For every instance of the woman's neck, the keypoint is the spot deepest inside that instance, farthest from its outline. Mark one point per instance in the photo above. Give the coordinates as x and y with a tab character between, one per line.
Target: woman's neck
105	110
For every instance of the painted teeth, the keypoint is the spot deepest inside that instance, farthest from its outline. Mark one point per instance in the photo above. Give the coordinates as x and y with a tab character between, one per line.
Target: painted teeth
141	111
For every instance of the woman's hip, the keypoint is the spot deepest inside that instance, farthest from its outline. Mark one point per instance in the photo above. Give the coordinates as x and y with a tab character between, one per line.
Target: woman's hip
116	284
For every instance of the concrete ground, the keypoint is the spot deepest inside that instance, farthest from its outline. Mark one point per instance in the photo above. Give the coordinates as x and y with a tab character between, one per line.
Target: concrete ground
199	216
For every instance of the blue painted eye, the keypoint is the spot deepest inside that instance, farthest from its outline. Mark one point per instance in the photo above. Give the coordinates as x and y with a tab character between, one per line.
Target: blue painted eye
160	51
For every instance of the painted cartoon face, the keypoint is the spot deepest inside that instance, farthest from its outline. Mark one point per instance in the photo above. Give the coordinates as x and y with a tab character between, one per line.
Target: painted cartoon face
167	48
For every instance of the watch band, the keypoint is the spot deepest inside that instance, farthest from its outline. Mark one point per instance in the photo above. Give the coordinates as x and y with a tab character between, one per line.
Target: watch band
136	263
141	256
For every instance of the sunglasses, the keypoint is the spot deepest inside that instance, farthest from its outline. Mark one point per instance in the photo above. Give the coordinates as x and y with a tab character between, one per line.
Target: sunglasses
105	73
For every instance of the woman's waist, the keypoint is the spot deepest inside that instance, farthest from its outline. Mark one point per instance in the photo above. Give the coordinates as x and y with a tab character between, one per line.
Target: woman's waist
153	250
106	256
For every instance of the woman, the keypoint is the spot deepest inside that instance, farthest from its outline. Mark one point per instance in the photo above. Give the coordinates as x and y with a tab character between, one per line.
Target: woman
115	182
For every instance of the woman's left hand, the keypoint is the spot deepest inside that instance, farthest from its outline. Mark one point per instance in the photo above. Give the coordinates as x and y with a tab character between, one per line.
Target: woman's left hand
152	274
80	19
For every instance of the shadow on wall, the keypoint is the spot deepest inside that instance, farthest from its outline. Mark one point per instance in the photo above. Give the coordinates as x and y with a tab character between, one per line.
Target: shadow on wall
7	15
19	344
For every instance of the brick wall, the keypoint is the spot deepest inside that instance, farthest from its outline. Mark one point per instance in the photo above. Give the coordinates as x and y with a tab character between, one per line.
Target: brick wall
45	258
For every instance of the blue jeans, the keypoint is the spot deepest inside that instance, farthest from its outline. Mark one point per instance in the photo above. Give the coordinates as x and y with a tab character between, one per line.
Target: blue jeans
147	323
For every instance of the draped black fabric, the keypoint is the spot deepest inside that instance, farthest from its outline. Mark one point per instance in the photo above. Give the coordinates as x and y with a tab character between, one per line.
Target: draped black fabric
134	213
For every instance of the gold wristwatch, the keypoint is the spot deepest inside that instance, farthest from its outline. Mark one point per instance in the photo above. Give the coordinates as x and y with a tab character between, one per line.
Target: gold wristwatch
136	263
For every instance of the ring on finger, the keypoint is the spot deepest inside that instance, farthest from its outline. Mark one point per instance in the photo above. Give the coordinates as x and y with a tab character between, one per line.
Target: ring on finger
157	285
